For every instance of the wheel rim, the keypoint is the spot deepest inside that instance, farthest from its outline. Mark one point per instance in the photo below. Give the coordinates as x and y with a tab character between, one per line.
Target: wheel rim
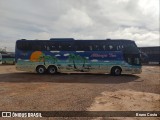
117	71
52	70
41	70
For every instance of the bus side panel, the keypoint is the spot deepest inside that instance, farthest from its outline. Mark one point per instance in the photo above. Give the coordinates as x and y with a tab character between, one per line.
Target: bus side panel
71	61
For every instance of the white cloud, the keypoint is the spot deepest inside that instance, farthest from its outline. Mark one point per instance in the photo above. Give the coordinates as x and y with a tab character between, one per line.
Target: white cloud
57	55
94	60
80	51
142	37
66	54
74	19
149	7
82	19
55	51
106	61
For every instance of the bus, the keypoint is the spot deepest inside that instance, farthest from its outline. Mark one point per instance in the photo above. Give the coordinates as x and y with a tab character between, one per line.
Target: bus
8	58
116	56
0	58
150	55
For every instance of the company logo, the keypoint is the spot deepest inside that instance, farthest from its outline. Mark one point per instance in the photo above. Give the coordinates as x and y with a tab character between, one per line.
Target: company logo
21	114
6	114
110	55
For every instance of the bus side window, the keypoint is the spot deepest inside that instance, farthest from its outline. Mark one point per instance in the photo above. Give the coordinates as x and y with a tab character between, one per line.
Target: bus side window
52	46
86	47
107	47
56	46
90	47
110	47
82	46
104	47
98	46
20	45
119	47
47	48
26	46
59	47
95	47
35	46
129	60
70	47
67	46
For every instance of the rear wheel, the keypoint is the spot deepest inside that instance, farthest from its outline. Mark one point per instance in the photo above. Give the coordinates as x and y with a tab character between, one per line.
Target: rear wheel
116	71
52	70
40	69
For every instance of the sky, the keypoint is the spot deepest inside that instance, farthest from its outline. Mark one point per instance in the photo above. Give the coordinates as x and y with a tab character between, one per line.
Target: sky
136	20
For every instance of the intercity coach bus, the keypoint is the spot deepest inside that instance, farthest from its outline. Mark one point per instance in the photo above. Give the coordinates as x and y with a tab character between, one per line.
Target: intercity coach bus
116	56
8	58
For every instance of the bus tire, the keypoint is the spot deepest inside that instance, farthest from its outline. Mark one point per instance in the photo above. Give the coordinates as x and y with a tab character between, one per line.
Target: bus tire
116	71
52	69
40	69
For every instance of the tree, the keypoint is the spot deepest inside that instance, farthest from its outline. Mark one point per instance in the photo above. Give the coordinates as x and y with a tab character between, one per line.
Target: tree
72	58
42	58
45	58
84	61
51	58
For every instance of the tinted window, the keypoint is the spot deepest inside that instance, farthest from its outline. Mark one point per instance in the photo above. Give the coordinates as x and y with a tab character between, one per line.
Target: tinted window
22	45
8	56
82	46
132	59
67	46
89	45
44	45
78	45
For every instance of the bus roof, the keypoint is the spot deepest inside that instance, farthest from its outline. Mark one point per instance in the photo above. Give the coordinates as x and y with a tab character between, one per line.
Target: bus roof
89	40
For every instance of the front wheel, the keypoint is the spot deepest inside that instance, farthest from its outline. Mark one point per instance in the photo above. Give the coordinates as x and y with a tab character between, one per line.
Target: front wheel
52	70
116	71
40	69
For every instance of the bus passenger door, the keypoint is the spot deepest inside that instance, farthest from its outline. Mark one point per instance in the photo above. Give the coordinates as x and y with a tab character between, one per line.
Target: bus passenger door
133	61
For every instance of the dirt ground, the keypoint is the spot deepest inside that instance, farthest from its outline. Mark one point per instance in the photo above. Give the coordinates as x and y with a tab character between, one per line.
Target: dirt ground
23	91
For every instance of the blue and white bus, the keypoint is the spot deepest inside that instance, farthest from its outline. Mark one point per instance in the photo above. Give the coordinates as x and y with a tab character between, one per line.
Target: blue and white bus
68	55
